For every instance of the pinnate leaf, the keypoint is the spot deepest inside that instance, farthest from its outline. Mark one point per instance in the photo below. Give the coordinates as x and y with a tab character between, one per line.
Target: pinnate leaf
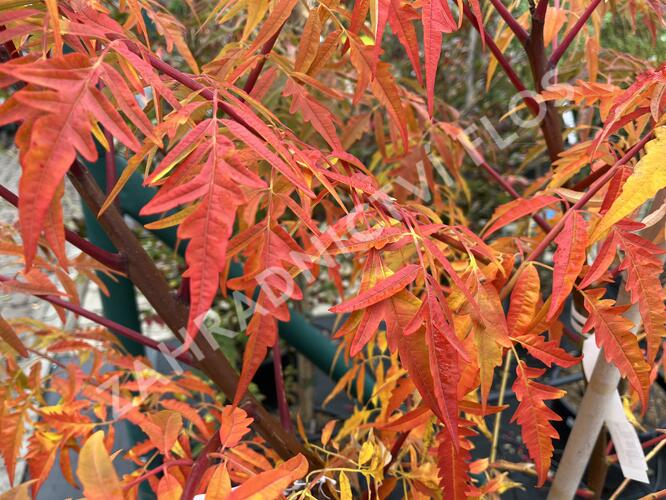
569	259
643	261
613	334
381	291
534	417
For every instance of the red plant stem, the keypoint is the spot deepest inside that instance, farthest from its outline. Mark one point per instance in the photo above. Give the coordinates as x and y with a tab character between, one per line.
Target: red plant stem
186	80
583	183
280	392
511	22
111	325
200	466
157	470
256	71
541	8
503	62
594	188
569	37
145	275
113	261
506	185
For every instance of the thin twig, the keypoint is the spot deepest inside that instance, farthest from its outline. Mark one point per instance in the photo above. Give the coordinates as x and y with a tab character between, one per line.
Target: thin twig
594	188
111	325
511	21
503	62
648	457
113	261
280	391
500	402
200	466
569	37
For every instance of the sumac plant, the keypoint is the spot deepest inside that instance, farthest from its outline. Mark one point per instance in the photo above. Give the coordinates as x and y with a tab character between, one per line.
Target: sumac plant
454	181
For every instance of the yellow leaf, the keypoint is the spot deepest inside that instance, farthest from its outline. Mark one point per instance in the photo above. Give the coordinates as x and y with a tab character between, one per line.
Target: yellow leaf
173	219
649	176
327	431
219	486
345	487
169	488
96	472
20	492
8	334
367	450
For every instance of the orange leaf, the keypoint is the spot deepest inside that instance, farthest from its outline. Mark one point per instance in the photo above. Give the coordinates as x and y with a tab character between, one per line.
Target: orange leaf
534	417
271	483
219	486
436	18
517	209
234	424
381	291
169	488
524	300
612	332
163	428
8	334
569	259
262	331
643	263
96	472
453	464
279	14
11	438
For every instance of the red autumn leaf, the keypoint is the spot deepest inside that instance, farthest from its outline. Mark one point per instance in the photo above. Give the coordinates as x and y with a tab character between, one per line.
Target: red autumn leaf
643	263
525	298
400	17
262	332
517	209
547	351
534	417
605	257
569	259
613	334
437	19
382	290
453	463
59	109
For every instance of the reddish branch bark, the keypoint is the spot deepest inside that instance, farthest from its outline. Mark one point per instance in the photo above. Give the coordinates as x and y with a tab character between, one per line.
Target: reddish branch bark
551	124
503	61
569	37
111	325
594	188
511	21
141	270
199	468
